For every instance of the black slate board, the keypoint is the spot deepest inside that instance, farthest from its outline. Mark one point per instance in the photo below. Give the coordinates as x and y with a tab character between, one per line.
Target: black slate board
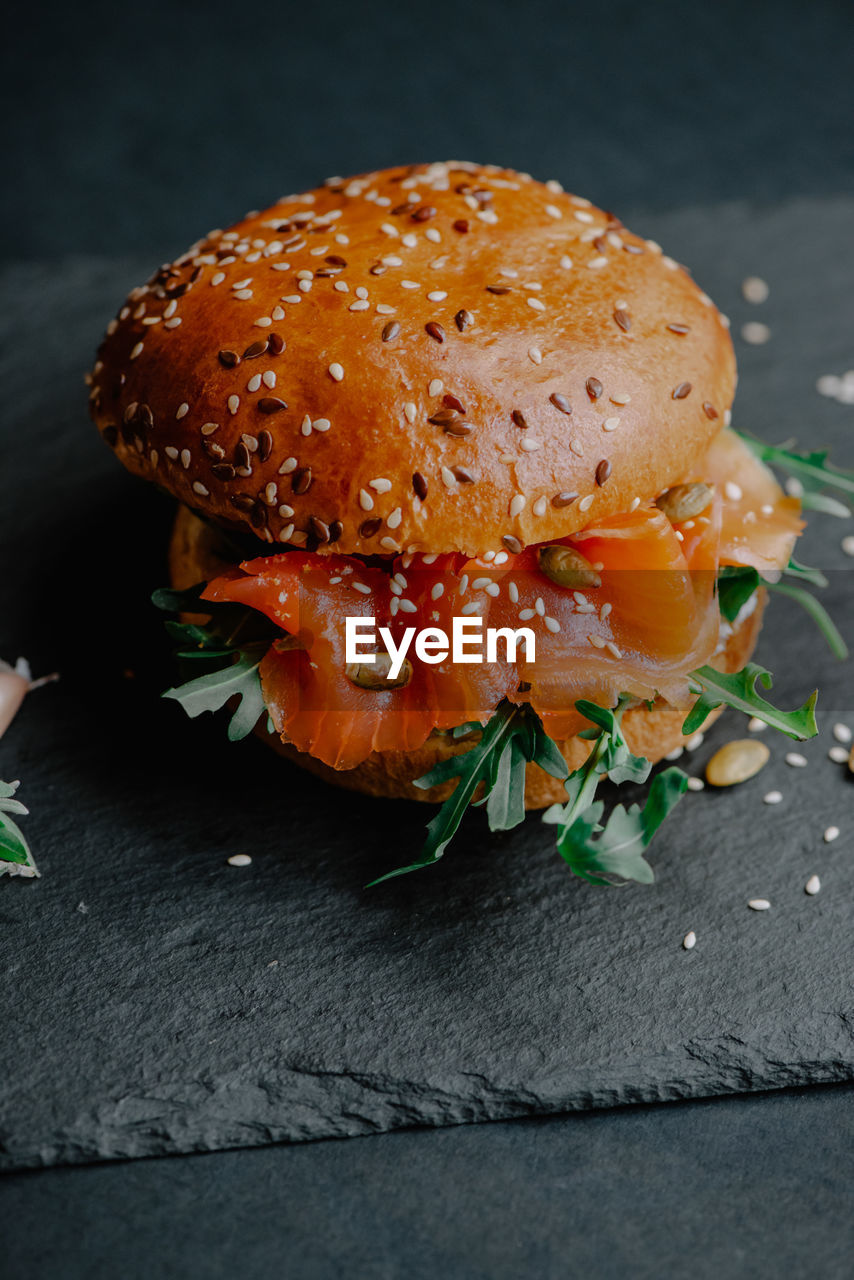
157	1000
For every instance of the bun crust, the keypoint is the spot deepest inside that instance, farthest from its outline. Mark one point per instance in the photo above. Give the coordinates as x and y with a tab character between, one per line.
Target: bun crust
434	358
194	555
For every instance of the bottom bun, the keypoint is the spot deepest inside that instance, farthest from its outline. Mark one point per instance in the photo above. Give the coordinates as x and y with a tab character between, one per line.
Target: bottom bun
197	553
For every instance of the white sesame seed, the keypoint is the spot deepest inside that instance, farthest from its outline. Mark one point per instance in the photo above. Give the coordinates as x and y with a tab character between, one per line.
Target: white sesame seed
183	410
136	351
577	448
410	240
448	478
252	385
755	289
498	557
847	545
341	286
432	234
271	493
529	445
410	411
583	216
796	760
239	860
539	507
185	458
755	332
566	262
406	606
675	753
733	491
409	284
437	591
285	511
513	592
759	904
493	589
218	278
336	371
610	424
595	263
198	487
480	583
554	212
839	755
842	733
289	464
388	229
517	504
473	606
269	379
292	298
359	305
464	585
242	294
366	502
172	452
540	606
536	356
361	587
586	503
755	725
437	295
536	304
696	784
436	387
263	322
389	544
233	404
689	942
695	742
526	614
380	485
772	797
394	519
552	624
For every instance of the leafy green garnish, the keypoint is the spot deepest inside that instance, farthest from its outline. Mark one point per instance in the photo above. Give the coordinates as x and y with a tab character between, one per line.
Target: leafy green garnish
15	855
738	690
812	469
236	636
737	585
591	850
512	737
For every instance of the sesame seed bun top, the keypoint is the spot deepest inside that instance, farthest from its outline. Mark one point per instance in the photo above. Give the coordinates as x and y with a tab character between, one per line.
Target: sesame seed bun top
445	357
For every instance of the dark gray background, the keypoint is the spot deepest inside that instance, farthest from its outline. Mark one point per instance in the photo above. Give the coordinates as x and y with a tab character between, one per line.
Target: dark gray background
126	135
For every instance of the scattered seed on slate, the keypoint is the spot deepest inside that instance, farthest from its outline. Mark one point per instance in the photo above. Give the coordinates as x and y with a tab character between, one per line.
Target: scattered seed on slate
812	886
759	904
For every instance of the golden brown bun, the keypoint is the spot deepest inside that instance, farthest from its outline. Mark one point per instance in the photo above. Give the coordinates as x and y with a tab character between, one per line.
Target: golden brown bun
195	553
542	303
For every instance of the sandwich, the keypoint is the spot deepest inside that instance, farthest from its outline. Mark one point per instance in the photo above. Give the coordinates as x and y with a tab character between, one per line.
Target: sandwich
462	516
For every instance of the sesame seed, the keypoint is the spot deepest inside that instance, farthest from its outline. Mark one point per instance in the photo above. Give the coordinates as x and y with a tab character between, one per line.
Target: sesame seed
582	216
831	834
336	371
733	491
525	615
610	424
755	725
263	322
540	506
842	733
233	404
410	411
529	445
754	289
552	624
172	452
586	503
252	385
596	263
394	519
536	304
199	488
448	477
292	298
436	387
437	295
517	504
183	410
366	502
359	305
185	458
437	590
812	886
406	606
839	755
689	942
847	545
239	860
409	284
796	760
136	351
772	797
755	332
472	607
553	211
380	485
218	278
289	464
269	379
696	784
361	587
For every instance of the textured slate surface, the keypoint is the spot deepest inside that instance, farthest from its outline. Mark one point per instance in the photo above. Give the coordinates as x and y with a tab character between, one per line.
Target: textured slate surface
158	1000
746	1188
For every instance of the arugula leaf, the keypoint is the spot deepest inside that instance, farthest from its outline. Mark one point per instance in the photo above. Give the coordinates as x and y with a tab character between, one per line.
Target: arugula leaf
716	688
817	612
512	737
229	640
811	500
811	468
16	859
596	852
735	587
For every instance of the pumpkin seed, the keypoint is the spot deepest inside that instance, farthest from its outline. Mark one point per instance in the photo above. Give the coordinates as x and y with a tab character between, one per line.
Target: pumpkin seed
567	567
736	762
684	501
373	675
